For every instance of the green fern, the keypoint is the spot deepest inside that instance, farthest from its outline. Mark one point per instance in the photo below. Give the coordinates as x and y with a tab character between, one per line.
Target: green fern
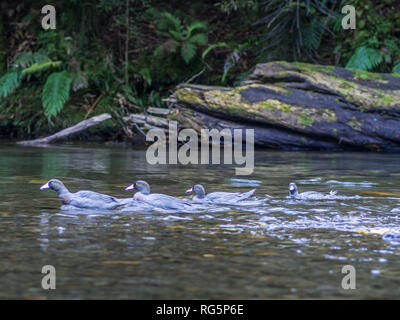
188	51
183	39
36	67
9	82
56	92
364	59
26	59
168	22
193	28
396	68
200	39
312	35
213	46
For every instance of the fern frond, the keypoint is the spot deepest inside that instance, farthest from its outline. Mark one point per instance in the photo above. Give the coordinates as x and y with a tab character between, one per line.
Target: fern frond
188	52
197	26
312	35
36	67
159	51
213	46
9	82
364	59
199	38
168	22
55	92
26	59
396	68
177	35
145	73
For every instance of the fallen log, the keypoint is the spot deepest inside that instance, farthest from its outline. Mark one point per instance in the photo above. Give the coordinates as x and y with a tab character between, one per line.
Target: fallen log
81	126
301	106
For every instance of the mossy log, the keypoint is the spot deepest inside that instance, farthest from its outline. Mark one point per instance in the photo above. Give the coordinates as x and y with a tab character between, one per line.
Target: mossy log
301	106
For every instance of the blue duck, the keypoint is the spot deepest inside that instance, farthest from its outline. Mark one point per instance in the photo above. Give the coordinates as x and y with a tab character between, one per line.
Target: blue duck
82	199
158	200
218	197
309	195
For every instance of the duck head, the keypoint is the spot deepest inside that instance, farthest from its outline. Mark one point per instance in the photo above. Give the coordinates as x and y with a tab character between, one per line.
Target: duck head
198	189
293	192
55	185
141	186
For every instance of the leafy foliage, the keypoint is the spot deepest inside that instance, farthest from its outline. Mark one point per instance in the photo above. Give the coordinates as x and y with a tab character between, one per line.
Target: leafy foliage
364	59
36	67
375	44
27	59
9	82
396	68
299	24
56	92
169	43
180	38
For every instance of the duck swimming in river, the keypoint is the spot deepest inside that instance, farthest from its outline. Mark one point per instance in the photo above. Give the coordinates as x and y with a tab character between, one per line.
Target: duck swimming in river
218	197
309	195
158	200
84	198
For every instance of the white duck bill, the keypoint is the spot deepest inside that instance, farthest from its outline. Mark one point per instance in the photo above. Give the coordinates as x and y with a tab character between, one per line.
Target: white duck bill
45	186
131	187
189	190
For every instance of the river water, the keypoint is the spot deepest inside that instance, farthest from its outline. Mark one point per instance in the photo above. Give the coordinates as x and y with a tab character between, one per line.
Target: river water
285	249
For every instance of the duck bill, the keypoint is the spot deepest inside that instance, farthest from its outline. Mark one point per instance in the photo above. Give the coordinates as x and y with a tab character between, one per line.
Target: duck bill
189	190
131	187
45	186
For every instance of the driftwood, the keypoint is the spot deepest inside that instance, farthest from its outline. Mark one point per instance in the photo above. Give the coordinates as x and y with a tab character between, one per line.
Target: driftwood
81	126
301	106
141	123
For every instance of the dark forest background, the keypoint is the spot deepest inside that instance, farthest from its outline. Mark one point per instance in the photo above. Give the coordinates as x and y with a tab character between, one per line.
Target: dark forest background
124	56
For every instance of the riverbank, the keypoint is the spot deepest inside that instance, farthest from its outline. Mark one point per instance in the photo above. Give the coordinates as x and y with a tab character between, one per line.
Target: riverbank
290	106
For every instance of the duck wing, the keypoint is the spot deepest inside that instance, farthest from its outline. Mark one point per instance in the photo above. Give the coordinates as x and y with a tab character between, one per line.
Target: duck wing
94	200
95	196
165	201
229	196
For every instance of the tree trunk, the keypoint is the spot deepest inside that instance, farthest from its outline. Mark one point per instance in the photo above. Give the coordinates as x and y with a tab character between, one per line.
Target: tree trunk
301	106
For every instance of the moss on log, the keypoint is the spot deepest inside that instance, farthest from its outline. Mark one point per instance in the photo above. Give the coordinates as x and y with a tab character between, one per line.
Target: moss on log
301	106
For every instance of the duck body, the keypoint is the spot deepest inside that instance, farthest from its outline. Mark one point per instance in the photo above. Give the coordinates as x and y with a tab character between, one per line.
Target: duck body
218	197
309	195
84	198
158	200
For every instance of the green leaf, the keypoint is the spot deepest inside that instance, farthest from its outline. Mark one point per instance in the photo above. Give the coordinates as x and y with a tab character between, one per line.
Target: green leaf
55	92
159	51
177	35
396	68
195	27
9	82
364	59
168	22
26	59
145	73
199	38
188	52
36	67
213	46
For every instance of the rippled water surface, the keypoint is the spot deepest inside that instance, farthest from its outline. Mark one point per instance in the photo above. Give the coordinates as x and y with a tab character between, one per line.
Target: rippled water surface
282	249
